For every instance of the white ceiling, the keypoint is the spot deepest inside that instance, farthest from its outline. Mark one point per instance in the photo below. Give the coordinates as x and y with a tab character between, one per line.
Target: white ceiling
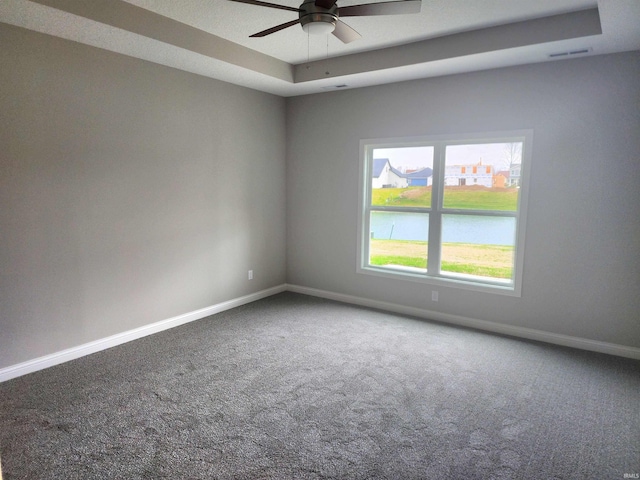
211	37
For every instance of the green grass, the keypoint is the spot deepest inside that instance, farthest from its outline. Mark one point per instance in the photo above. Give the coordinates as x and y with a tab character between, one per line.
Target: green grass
489	199
492	261
464	268
479	270
398	260
477	198
397	197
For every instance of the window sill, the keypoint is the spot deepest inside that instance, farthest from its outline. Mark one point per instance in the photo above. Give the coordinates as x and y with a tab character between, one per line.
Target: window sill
451	280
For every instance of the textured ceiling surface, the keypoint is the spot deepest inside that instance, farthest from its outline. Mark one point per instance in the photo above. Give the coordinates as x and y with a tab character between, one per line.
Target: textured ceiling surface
211	37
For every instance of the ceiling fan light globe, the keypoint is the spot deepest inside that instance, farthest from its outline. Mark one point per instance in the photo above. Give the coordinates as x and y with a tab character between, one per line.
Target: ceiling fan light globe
319	28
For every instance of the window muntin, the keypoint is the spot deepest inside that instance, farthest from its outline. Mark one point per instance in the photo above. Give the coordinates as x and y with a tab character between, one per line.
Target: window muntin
466	202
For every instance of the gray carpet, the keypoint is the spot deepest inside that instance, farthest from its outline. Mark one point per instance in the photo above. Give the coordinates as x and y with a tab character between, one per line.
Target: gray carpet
303	388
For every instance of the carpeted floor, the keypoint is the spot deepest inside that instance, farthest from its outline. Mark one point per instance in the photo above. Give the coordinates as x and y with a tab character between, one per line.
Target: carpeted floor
295	387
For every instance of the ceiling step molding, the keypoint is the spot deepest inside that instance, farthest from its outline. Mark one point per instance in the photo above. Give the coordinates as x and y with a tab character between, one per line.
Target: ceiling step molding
579	24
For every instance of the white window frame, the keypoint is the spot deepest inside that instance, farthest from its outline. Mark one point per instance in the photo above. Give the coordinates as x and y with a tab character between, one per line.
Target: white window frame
432	276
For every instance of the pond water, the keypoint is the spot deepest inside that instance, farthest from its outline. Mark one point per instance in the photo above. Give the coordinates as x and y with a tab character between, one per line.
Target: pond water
455	228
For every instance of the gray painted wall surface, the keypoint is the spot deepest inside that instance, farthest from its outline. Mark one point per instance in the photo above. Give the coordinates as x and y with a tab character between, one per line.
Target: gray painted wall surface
129	193
582	266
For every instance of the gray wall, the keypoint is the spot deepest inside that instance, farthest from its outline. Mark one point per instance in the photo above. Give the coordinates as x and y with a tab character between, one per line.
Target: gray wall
582	260
129	193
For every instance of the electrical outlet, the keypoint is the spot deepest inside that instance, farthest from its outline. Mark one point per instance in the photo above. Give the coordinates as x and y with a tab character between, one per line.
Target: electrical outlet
250	275
434	295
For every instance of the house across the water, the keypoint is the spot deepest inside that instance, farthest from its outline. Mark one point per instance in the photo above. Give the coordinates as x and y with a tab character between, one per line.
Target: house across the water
384	175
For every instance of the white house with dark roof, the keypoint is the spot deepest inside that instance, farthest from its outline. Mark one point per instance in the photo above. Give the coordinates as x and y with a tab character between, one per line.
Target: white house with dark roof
386	176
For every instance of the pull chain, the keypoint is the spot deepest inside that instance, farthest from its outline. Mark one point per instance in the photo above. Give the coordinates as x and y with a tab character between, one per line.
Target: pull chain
326	60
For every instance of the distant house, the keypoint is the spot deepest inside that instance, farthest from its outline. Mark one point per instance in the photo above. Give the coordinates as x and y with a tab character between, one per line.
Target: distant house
514	175
420	178
475	174
385	176
501	179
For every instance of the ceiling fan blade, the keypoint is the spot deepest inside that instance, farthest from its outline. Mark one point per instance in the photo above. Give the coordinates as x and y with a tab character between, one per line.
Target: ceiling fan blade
345	33
398	7
267	4
325	3
271	30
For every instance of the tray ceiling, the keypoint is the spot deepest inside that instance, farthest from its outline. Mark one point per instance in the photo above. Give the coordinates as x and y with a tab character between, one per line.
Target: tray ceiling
211	37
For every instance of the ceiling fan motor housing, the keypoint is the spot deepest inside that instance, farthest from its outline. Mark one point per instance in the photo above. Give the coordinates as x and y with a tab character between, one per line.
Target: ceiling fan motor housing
318	20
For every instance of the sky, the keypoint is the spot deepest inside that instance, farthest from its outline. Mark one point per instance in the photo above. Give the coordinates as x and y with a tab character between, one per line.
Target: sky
422	157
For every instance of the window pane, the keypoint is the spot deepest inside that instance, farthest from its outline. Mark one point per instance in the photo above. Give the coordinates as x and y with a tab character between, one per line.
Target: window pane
480	246
402	176
399	240
483	177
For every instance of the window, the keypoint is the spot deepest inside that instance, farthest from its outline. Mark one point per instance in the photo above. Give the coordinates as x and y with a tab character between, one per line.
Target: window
425	218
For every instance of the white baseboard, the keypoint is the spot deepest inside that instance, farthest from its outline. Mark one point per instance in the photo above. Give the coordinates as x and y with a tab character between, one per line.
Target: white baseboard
92	347
521	332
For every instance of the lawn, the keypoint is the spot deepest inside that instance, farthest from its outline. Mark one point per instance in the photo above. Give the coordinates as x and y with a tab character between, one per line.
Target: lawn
469	197
402	197
494	261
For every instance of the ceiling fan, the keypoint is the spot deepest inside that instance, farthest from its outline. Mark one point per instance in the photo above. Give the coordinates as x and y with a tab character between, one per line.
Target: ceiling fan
322	16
